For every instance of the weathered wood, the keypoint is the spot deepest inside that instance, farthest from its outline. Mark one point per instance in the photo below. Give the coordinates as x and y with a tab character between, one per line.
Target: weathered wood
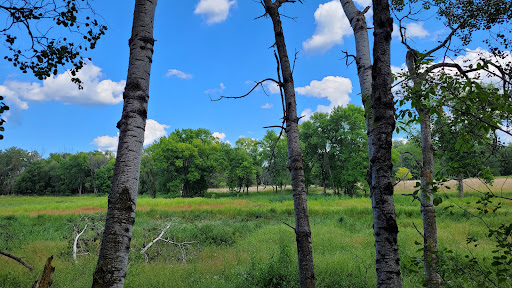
47	276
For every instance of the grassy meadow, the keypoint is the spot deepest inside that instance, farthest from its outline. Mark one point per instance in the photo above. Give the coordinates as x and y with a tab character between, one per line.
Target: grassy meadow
227	240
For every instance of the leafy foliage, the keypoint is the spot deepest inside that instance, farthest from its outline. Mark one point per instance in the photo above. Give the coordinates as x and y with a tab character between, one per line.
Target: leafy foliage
72	29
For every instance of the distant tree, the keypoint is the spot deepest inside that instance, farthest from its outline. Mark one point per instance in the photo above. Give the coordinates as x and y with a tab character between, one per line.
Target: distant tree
184	161
252	147
147	179
335	147
75	173
13	162
275	157
97	159
35	179
104	177
348	149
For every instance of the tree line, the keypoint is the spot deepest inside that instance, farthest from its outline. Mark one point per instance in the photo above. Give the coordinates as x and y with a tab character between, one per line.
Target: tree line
190	161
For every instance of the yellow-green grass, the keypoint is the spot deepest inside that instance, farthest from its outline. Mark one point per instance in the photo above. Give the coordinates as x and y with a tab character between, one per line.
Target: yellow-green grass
242	240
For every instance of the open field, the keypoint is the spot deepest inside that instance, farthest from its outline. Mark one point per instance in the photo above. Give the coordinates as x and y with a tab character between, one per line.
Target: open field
241	241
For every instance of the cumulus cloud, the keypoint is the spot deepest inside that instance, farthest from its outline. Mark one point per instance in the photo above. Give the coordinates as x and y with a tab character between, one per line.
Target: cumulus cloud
472	57
272	87
332	25
178	73
153	132
215	11
106	142
401	139
216	90
336	89
60	88
267	106
412	30
219	135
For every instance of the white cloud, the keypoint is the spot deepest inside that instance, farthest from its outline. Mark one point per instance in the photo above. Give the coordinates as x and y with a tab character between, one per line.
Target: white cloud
332	25
306	114
178	73
219	135
216	90
336	89
401	139
215	11
267	106
472	57
60	88
272	87
412	30
153	132
106	142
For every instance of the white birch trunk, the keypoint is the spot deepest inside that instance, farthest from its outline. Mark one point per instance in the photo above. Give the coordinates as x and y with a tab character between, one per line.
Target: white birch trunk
115	245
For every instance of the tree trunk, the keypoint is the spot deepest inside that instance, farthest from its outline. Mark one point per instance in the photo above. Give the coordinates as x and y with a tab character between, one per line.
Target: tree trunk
115	245
428	211
375	84
385	228
364	64
460	185
302	228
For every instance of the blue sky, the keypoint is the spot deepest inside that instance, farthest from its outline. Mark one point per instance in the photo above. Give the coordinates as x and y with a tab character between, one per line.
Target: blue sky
204	48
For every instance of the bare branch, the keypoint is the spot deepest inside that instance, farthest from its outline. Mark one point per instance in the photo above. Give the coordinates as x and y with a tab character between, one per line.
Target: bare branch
17	259
76	242
250	91
143	251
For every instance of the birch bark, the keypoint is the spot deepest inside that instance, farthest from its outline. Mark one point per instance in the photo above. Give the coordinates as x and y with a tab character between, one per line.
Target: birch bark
302	228
375	83
385	229
115	245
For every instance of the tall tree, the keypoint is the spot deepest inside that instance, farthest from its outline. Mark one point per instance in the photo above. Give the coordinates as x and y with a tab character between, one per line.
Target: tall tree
302	227
380	136
380	121
115	245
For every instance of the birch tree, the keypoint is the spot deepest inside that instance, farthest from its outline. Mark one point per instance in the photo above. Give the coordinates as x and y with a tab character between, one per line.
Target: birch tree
375	82
115	246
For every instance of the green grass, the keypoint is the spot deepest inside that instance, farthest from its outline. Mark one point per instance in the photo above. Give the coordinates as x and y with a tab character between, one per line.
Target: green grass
239	241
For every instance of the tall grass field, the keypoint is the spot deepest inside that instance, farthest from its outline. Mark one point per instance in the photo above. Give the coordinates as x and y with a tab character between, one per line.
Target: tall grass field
229	240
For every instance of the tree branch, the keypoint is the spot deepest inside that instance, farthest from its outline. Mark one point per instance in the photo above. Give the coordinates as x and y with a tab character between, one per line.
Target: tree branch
17	259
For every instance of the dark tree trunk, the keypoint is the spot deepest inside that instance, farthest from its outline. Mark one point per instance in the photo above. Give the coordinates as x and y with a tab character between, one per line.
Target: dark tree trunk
385	229
302	228
115	245
460	185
